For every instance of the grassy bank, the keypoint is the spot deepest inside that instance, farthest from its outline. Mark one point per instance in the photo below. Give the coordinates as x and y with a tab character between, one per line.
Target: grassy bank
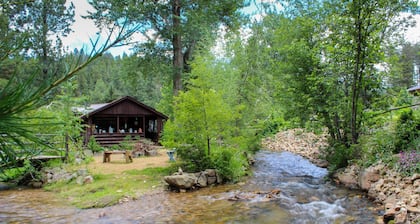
114	182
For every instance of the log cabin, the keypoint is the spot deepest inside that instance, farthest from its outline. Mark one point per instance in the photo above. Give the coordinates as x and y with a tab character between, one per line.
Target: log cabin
110	123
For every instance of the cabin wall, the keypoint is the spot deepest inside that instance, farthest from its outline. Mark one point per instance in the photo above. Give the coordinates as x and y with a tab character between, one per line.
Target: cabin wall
125	117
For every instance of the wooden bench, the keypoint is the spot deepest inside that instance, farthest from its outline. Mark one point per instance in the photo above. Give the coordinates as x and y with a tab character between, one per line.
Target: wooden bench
127	154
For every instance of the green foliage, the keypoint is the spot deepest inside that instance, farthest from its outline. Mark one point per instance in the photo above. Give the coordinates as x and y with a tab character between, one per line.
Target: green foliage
407	132
339	156
127	143
21	175
169	135
203	116
208	130
230	163
24	95
170	27
193	159
94	146
378	146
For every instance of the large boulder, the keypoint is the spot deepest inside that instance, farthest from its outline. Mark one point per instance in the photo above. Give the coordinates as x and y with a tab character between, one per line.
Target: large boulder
202	179
367	177
183	181
348	177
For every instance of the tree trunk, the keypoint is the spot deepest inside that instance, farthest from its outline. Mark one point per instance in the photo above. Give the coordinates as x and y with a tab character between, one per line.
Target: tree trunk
44	39
66	144
357	75
178	61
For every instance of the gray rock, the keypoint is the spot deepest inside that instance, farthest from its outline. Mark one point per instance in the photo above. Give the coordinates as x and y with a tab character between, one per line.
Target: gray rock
211	172
348	178
35	184
82	172
202	179
211	180
219	178
367	177
152	152
78	161
4	186
184	181
88	180
88	153
80	180
415	176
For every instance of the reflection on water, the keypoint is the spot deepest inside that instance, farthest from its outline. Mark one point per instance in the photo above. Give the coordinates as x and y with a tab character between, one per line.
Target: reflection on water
304	198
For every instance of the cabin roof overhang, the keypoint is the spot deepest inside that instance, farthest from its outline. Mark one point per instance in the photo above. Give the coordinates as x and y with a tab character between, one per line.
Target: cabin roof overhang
94	109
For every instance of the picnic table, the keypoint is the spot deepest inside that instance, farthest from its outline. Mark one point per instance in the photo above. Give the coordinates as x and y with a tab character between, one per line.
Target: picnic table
126	153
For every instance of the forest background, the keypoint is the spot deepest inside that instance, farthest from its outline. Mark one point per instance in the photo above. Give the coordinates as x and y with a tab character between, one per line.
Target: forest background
224	78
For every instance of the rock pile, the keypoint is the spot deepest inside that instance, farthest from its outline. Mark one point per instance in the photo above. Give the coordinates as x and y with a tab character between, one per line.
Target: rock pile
399	195
299	141
183	181
56	174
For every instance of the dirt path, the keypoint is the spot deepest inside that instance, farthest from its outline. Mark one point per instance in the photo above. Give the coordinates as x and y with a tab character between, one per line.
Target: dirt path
118	164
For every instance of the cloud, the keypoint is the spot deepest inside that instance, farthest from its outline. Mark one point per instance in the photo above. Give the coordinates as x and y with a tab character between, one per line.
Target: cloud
413	33
85	30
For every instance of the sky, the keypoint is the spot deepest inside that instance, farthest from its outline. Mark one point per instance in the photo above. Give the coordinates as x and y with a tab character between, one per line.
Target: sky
85	29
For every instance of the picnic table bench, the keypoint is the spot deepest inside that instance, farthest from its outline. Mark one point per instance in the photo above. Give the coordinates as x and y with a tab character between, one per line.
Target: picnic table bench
126	153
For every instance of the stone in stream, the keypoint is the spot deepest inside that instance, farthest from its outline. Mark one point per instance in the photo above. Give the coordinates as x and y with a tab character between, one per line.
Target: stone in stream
202	179
183	181
4	186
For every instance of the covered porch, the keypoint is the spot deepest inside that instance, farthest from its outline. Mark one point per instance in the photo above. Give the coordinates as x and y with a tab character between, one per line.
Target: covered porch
125	118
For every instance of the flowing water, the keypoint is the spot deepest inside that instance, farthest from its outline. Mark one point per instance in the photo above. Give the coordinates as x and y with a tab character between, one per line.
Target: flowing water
285	188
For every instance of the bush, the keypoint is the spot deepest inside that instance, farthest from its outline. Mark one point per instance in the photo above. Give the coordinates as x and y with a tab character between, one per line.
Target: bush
127	144
230	163
94	146
407	132
380	145
193	158
338	156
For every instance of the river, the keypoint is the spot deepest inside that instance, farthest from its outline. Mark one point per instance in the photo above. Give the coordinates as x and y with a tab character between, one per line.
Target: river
301	196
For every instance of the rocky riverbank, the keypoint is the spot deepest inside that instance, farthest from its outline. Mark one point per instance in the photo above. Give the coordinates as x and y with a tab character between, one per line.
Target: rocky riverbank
399	195
299	141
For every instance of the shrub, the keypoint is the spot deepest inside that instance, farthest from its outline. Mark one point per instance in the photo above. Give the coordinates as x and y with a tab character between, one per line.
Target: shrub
407	132
380	145
338	156
193	158
230	163
127	144
94	146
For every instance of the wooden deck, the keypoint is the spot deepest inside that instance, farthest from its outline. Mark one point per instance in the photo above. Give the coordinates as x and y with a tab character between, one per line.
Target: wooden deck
115	138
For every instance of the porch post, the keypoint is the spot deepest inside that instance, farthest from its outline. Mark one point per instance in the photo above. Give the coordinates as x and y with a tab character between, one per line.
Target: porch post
158	129
88	132
144	126
118	124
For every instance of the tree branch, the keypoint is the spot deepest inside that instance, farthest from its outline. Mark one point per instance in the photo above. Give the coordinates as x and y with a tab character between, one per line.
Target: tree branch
396	108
